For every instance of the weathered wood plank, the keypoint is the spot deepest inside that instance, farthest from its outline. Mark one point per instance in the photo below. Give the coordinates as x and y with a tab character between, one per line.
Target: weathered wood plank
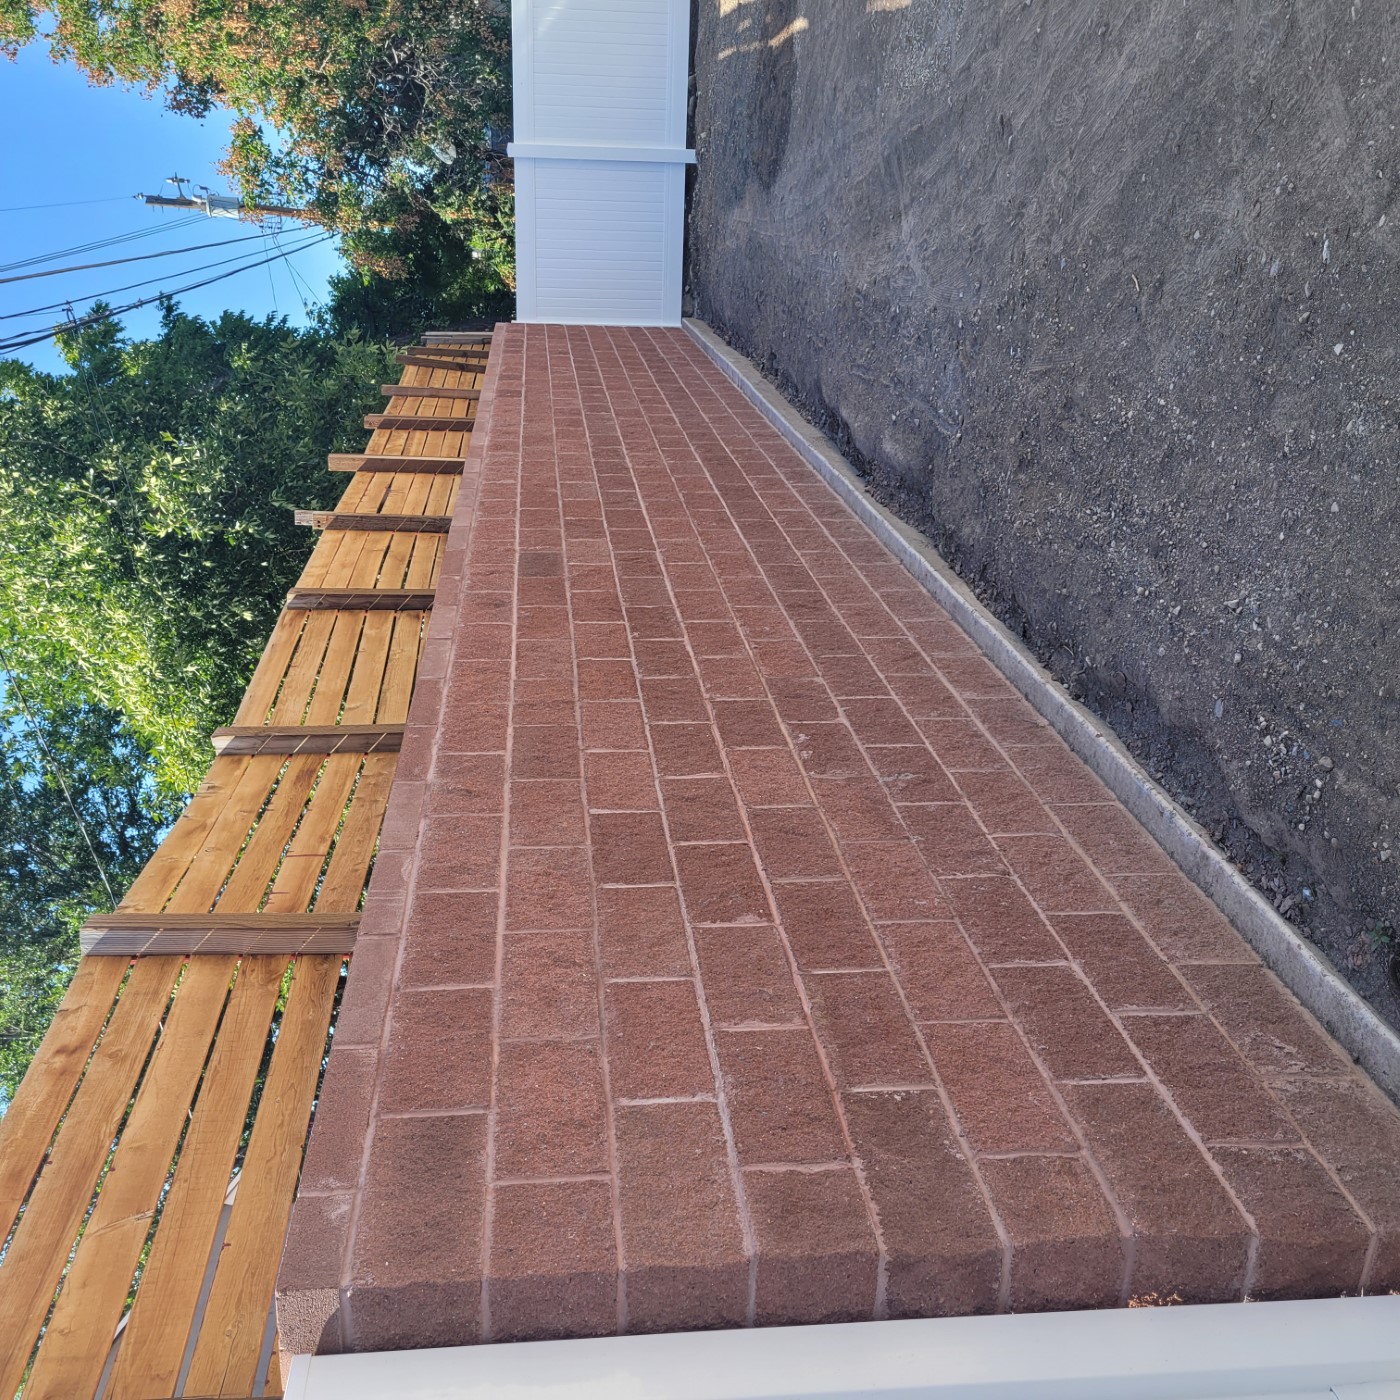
391	599
28	1125
279	932
79	1334
362	462
456	337
153	1345
231	1331
309	738
340	520
427	391
46	1231
411	422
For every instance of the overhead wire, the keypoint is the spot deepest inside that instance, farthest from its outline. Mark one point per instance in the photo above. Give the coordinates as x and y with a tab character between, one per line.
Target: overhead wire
64	204
26	339
130	286
271	285
135	235
137	257
299	283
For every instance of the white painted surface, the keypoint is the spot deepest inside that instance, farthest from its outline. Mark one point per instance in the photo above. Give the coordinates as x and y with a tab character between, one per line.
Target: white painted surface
1337	1349
600	90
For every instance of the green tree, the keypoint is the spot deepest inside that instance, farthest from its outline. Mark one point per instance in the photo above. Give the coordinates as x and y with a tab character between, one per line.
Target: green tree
146	534
79	816
431	275
373	112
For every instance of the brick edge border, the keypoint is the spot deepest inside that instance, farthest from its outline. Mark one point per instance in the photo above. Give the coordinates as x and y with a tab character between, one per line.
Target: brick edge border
1303	968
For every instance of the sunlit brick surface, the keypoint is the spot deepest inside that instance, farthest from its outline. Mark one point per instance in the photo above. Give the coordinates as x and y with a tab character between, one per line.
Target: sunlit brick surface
743	949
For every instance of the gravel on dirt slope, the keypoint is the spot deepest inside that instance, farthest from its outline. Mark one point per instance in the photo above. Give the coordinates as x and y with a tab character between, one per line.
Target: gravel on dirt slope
1103	297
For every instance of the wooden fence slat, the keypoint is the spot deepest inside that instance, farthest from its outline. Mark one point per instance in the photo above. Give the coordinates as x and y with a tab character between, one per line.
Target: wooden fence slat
326	699
306	856
153	1345
361	462
422	568
409	495
428	391
311	738
305	666
354	846
342	520
152	887
210	865
342	551
258	863
235	1319
56	1206
442	495
412	423
28	1125
79	1334
272	666
362	694
393	565
400	670
394	599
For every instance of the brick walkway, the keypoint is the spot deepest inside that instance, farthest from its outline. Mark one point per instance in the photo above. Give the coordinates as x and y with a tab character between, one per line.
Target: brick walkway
743	949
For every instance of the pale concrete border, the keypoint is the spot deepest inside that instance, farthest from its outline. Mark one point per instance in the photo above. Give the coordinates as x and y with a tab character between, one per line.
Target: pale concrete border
1303	968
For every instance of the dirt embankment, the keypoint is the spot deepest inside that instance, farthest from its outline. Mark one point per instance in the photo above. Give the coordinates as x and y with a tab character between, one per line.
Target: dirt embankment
1103	297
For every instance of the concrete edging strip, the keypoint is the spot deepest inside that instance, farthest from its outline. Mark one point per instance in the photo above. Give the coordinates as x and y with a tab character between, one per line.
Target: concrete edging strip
1302	968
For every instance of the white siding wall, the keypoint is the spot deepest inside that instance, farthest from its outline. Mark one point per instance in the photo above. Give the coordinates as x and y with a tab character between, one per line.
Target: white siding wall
600	116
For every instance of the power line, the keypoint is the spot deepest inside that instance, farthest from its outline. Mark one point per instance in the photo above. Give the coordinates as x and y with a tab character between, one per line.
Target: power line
144	282
23	342
62	204
138	257
298	281
134	236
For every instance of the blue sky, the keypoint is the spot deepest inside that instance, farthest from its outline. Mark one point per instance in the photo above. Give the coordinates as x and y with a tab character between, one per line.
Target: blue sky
68	141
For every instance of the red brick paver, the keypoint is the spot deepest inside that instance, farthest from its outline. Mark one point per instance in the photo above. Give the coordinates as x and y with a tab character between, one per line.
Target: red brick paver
743	949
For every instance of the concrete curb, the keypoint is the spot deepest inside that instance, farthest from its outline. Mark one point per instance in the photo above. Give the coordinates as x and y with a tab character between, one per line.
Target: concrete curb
1302	968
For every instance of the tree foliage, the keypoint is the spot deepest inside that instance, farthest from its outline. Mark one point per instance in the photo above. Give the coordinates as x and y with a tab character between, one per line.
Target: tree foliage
79	813
425	278
146	533
373	112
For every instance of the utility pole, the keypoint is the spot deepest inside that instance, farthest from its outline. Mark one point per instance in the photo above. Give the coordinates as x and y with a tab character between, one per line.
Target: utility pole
218	206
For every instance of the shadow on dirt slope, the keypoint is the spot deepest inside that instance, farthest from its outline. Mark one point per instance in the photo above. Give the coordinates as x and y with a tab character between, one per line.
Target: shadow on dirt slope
1103	297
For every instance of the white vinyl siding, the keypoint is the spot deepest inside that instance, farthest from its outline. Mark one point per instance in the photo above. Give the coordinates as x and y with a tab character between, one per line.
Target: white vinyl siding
600	114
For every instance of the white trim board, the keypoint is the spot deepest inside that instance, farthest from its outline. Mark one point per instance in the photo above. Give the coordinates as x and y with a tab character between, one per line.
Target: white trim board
599	99
572	150
1303	968
1335	1349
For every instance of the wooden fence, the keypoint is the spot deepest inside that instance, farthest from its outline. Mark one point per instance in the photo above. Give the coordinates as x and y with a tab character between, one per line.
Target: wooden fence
150	1158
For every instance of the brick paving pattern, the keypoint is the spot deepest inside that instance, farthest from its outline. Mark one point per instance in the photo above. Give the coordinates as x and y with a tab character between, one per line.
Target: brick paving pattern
744	950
